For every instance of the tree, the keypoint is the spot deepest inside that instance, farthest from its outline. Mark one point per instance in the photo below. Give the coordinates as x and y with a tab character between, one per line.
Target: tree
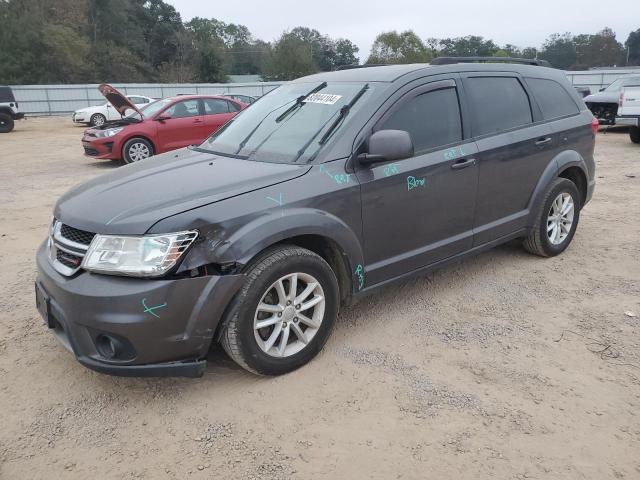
469	46
291	57
345	53
633	48
394	47
599	50
559	50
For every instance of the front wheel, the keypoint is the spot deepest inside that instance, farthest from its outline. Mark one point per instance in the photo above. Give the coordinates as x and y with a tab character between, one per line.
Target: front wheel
284	313
136	149
6	123
556	221
634	134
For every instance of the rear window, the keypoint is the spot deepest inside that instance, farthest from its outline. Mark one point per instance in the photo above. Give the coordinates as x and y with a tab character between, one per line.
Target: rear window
6	95
554	100
497	104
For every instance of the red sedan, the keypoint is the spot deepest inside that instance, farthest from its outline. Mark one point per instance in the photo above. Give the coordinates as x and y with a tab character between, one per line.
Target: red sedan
161	126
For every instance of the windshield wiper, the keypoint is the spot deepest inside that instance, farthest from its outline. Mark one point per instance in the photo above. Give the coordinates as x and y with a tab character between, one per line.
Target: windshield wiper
299	102
344	111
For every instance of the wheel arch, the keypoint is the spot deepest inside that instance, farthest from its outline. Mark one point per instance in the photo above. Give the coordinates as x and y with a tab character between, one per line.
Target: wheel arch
235	250
567	164
142	136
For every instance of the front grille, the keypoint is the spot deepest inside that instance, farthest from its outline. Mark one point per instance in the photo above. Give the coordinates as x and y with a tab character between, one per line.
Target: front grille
91	152
68	259
67	247
76	235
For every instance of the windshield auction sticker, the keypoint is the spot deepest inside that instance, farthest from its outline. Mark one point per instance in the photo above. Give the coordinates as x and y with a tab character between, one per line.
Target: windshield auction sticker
323	98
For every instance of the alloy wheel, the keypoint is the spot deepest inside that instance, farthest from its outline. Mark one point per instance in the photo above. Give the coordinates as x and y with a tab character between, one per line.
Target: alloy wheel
560	218
289	315
138	151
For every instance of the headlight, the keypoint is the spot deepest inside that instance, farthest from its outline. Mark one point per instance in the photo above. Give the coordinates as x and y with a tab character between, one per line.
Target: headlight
145	256
109	132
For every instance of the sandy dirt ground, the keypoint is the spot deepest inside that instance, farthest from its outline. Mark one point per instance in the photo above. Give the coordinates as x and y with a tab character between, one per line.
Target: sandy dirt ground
505	366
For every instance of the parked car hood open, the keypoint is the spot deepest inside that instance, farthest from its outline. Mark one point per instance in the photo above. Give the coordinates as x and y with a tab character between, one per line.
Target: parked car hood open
120	102
131	199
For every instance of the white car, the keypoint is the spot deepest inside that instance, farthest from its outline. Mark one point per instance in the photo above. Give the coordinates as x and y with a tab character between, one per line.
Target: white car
629	110
98	115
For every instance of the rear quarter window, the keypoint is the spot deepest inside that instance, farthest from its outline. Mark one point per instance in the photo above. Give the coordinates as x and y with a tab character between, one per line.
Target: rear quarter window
553	99
497	104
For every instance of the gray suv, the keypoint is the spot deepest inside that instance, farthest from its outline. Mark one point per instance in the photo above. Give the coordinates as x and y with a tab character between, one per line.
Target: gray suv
327	188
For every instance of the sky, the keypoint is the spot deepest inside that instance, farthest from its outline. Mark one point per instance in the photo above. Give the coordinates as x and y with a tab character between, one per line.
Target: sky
522	23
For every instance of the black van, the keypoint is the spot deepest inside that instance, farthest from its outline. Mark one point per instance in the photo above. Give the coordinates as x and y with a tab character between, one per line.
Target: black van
327	188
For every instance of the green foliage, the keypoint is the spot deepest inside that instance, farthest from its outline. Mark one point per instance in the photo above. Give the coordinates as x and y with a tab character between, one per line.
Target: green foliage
394	47
632	46
583	51
291	57
469	46
76	41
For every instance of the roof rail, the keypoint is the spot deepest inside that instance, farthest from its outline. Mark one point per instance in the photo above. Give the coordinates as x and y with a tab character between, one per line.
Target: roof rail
354	65
524	61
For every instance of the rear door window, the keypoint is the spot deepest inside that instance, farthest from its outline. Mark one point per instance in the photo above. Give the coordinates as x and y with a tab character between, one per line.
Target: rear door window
214	106
554	101
497	104
431	118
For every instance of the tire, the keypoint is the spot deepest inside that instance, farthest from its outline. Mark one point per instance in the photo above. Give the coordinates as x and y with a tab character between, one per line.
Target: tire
542	240
97	120
241	341
6	123
634	134
136	149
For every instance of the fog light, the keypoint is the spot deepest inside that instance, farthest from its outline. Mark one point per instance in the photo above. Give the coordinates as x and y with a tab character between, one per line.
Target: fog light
107	347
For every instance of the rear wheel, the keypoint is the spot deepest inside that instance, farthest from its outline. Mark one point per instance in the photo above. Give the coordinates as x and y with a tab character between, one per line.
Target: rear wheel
284	313
557	220
97	120
6	123
634	134
136	149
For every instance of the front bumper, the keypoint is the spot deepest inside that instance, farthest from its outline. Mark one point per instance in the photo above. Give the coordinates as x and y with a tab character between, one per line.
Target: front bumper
18	116
631	121
103	148
161	327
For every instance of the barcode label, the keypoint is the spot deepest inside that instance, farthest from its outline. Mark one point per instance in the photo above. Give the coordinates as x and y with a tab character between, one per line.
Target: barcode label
324	98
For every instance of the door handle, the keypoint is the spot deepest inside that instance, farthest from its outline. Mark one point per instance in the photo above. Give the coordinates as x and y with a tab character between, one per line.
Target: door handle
460	164
543	141
197	120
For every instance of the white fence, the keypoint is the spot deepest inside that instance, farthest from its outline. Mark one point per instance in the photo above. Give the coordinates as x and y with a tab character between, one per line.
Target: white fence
63	99
597	79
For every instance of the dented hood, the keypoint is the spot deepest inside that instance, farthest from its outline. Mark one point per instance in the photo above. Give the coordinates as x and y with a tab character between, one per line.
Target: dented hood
119	101
133	198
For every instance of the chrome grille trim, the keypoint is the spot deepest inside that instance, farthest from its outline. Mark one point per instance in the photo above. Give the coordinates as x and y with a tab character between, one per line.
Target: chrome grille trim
58	242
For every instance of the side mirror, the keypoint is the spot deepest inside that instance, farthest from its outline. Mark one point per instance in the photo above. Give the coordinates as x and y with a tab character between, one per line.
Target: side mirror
162	117
386	146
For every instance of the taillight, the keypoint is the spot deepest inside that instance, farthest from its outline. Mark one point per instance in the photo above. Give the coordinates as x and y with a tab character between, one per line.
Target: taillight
594	125
621	99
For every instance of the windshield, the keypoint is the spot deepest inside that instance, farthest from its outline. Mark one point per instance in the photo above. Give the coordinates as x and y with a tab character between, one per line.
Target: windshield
615	85
150	109
290	124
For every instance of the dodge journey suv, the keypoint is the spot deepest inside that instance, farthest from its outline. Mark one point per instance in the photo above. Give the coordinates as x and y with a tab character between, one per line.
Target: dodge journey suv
327	188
